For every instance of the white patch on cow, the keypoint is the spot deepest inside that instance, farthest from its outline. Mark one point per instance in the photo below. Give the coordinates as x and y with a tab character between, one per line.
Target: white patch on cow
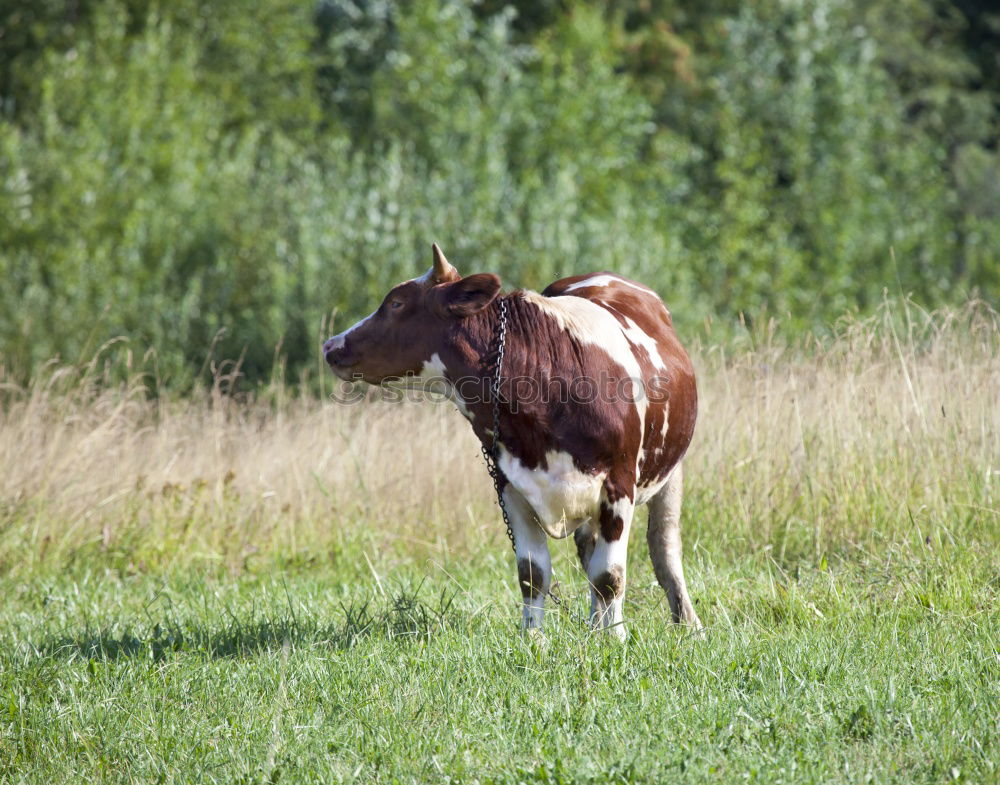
589	323
608	557
604	280
432	369
643	493
640	337
529	543
623	508
459	402
432	378
337	341
562	496
425	278
435	372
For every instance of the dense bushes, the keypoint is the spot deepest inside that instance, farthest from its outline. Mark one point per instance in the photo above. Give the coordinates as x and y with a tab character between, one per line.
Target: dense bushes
170	170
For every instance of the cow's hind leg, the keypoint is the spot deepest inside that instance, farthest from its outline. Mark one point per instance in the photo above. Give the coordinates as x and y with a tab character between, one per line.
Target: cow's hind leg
585	539
664	539
534	565
607	562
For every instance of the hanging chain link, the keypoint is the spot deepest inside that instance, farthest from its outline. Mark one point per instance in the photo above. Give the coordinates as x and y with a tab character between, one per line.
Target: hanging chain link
492	453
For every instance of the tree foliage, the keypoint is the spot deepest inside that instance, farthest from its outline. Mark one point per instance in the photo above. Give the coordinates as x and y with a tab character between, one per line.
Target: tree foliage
227	174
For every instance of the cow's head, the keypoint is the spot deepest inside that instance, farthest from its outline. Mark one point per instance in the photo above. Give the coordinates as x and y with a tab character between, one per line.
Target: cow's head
410	325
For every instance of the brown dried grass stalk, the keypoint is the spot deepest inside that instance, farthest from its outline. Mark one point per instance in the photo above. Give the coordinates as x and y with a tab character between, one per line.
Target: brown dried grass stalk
888	431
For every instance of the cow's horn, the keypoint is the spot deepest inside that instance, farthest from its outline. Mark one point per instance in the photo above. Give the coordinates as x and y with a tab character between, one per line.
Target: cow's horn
443	271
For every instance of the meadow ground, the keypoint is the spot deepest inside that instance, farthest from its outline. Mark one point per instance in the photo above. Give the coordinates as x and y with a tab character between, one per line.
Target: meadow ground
291	590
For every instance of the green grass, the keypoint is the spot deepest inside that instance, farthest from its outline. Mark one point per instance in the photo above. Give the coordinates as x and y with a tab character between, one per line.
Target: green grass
284	590
871	668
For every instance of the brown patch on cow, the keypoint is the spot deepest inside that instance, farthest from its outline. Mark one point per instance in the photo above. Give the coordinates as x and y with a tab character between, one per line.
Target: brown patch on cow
597	430
457	321
602	433
674	383
530	577
610	585
612	525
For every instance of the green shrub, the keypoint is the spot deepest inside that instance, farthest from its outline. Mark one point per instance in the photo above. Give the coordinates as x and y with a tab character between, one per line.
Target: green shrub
217	179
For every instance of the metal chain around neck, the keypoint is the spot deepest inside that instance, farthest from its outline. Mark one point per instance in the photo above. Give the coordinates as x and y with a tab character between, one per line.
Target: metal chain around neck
492	453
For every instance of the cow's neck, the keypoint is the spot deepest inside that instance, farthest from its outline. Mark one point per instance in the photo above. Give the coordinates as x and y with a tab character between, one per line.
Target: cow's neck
470	355
472	341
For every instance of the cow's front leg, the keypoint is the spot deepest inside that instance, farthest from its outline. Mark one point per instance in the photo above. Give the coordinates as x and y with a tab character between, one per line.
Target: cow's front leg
534	565
606	567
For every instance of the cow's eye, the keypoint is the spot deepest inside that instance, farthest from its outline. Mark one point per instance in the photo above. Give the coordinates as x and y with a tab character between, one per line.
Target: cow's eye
396	305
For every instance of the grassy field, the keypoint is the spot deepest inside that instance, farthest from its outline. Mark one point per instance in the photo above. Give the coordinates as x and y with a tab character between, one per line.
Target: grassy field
286	590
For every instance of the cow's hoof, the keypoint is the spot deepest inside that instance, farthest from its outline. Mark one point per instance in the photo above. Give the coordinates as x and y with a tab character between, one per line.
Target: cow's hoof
616	632
535	635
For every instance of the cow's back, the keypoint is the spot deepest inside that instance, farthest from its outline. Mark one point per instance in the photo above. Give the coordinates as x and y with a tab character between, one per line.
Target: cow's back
672	406
618	294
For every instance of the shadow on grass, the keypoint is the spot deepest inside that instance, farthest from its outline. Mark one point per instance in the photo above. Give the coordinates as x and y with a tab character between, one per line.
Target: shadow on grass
403	617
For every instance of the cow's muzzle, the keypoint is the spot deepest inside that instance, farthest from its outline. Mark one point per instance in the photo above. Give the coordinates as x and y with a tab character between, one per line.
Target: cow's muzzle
336	354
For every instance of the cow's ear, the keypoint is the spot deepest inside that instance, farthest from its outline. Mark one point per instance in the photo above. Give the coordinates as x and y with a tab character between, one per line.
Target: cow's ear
469	295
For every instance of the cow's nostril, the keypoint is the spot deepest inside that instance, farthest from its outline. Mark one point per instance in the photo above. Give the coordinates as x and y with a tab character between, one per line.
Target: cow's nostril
333	349
338	356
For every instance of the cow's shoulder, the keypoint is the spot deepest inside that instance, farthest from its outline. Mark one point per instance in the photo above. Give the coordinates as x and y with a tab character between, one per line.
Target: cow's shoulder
616	293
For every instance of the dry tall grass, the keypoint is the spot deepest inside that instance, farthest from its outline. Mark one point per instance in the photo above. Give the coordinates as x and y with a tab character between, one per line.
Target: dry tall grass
889	431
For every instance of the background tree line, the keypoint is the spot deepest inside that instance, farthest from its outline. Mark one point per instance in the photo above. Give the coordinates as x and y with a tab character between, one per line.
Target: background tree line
172	169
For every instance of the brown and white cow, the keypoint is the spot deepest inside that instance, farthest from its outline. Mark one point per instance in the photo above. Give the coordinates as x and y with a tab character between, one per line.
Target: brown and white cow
598	406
